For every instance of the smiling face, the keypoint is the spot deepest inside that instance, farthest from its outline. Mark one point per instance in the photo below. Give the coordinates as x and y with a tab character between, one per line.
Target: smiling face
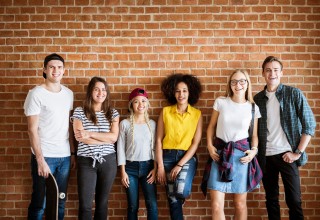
99	93
182	93
239	84
272	73
140	104
54	71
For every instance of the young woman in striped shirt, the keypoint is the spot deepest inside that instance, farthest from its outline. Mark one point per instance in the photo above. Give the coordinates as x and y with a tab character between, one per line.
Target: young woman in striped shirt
96	128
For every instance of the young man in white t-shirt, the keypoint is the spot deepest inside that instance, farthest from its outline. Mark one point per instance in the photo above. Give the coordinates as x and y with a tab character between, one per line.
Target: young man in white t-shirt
48	108
284	131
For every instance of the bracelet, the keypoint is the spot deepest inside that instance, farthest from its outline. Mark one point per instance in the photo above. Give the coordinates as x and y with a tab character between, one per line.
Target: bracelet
179	165
73	153
255	148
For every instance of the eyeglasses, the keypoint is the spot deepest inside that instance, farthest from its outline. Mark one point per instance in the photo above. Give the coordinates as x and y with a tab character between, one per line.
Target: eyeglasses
234	82
141	91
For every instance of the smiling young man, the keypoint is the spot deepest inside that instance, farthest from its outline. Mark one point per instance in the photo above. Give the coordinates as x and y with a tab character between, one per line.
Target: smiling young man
47	108
284	131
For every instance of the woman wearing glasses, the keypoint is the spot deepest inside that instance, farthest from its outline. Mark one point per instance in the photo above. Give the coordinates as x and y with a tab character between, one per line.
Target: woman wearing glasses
228	146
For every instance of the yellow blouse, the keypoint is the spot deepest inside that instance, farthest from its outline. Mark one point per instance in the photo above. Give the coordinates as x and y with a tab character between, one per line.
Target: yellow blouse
179	129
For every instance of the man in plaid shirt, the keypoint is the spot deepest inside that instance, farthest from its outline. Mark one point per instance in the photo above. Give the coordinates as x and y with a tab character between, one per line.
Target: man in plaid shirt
284	131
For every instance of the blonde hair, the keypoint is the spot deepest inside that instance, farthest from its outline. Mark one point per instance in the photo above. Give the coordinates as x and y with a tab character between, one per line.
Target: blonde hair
146	116
229	92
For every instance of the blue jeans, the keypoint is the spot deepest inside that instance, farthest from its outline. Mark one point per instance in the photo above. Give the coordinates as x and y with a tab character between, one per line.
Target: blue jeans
180	189
60	168
95	182
137	172
291	182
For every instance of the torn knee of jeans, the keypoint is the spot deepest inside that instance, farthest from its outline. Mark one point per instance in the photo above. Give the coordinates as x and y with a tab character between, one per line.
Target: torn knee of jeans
173	199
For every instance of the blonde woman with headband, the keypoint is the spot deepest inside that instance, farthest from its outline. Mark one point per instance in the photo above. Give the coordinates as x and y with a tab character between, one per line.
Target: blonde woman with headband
135	149
228	146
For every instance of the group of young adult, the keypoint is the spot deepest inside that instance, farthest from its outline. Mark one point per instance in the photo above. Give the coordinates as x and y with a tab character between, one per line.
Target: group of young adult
281	121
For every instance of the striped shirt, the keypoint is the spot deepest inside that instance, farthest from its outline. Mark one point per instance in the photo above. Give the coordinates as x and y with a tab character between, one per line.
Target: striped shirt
96	152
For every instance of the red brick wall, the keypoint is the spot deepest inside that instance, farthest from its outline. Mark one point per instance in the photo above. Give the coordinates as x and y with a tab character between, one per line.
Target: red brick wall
139	42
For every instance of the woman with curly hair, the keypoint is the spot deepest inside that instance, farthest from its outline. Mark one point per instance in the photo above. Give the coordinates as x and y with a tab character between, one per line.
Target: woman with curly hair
179	131
96	128
135	150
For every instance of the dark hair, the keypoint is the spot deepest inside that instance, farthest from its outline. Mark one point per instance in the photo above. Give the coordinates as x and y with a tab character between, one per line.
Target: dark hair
48	58
271	59
88	107
169	84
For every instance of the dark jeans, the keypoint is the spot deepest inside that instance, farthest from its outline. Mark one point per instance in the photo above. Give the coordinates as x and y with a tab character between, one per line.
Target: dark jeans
95	182
60	168
178	190
291	182
137	173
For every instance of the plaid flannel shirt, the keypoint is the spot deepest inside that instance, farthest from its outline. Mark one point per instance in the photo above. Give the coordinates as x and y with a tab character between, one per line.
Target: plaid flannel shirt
296	118
226	161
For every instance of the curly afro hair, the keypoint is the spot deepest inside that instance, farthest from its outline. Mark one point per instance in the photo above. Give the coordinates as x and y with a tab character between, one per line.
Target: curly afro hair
168	87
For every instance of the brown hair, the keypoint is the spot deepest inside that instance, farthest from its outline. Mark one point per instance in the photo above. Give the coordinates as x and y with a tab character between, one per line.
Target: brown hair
88	106
271	59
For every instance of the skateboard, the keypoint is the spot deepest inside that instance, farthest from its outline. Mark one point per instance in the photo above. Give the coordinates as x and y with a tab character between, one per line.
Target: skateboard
52	198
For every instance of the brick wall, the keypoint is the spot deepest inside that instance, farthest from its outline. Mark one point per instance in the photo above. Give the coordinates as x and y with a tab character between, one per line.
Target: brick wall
139	42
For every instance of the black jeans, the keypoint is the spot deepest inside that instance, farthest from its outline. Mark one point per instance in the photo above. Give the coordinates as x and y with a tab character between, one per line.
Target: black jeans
291	182
95	182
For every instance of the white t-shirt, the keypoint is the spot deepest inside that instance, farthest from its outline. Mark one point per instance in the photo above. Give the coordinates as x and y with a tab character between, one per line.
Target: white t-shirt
234	119
142	146
53	110
277	141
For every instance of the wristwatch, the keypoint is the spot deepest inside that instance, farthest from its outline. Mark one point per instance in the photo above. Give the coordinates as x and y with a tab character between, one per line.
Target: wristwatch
297	151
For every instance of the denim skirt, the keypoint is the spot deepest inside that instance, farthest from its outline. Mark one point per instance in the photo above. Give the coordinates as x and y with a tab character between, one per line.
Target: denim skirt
240	176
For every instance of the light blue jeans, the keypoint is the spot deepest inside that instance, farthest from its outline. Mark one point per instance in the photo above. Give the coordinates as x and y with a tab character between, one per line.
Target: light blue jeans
60	168
180	189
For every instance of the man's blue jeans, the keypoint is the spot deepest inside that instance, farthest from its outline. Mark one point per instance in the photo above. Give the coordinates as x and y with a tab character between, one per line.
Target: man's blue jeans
60	168
180	189
137	172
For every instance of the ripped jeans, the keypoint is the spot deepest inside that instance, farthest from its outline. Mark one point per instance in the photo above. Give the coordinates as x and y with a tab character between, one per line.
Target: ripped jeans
180	189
